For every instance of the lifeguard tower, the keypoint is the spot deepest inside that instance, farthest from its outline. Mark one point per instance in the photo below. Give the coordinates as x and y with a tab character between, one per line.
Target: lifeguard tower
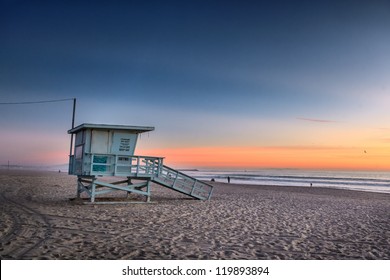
102	150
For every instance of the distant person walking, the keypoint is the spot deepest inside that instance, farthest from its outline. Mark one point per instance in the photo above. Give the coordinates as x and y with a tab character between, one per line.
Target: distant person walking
228	179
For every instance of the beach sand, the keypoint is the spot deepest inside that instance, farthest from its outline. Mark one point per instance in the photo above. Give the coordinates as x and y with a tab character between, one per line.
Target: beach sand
39	220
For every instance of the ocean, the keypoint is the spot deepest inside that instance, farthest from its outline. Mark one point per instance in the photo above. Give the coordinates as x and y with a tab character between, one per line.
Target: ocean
373	181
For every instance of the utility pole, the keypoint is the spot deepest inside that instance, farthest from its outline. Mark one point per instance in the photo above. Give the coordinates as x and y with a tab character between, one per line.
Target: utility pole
74	111
71	136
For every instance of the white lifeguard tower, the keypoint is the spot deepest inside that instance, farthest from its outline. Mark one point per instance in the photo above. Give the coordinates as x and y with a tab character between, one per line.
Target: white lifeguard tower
102	150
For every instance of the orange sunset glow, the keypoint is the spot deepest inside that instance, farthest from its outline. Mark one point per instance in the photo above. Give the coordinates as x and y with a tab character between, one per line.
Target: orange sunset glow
374	158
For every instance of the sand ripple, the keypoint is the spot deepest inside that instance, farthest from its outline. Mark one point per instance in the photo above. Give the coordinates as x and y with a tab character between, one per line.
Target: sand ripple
39	221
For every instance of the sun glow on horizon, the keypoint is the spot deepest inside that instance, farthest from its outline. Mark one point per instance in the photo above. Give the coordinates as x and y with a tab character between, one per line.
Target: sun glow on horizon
304	157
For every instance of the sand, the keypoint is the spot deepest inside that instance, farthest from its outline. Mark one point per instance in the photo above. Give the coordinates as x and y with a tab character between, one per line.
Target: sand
39	220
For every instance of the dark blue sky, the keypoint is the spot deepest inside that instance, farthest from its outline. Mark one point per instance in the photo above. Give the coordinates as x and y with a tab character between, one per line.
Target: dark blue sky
257	60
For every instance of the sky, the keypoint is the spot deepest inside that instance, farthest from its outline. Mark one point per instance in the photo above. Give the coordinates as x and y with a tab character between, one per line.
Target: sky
226	84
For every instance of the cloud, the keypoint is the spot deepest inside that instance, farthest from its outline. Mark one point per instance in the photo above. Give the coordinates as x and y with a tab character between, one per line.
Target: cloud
317	120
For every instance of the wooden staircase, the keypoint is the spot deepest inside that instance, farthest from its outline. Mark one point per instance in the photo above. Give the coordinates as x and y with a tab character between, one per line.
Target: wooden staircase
180	182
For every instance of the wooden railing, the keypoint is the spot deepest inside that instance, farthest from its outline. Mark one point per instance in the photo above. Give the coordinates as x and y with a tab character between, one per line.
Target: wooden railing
147	168
118	165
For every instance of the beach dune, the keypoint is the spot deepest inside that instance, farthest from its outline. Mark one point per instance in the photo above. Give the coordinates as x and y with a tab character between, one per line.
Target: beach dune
41	220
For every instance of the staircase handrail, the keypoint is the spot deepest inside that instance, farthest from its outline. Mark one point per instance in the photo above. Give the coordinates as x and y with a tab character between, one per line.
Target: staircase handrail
187	176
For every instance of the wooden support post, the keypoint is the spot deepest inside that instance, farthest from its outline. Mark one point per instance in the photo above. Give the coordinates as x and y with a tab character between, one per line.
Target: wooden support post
93	190
79	190
129	183
148	191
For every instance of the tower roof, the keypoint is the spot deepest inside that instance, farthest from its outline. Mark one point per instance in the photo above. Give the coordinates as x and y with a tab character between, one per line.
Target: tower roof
132	128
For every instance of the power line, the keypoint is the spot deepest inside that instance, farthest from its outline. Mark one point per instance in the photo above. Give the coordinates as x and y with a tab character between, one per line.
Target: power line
36	102
49	101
